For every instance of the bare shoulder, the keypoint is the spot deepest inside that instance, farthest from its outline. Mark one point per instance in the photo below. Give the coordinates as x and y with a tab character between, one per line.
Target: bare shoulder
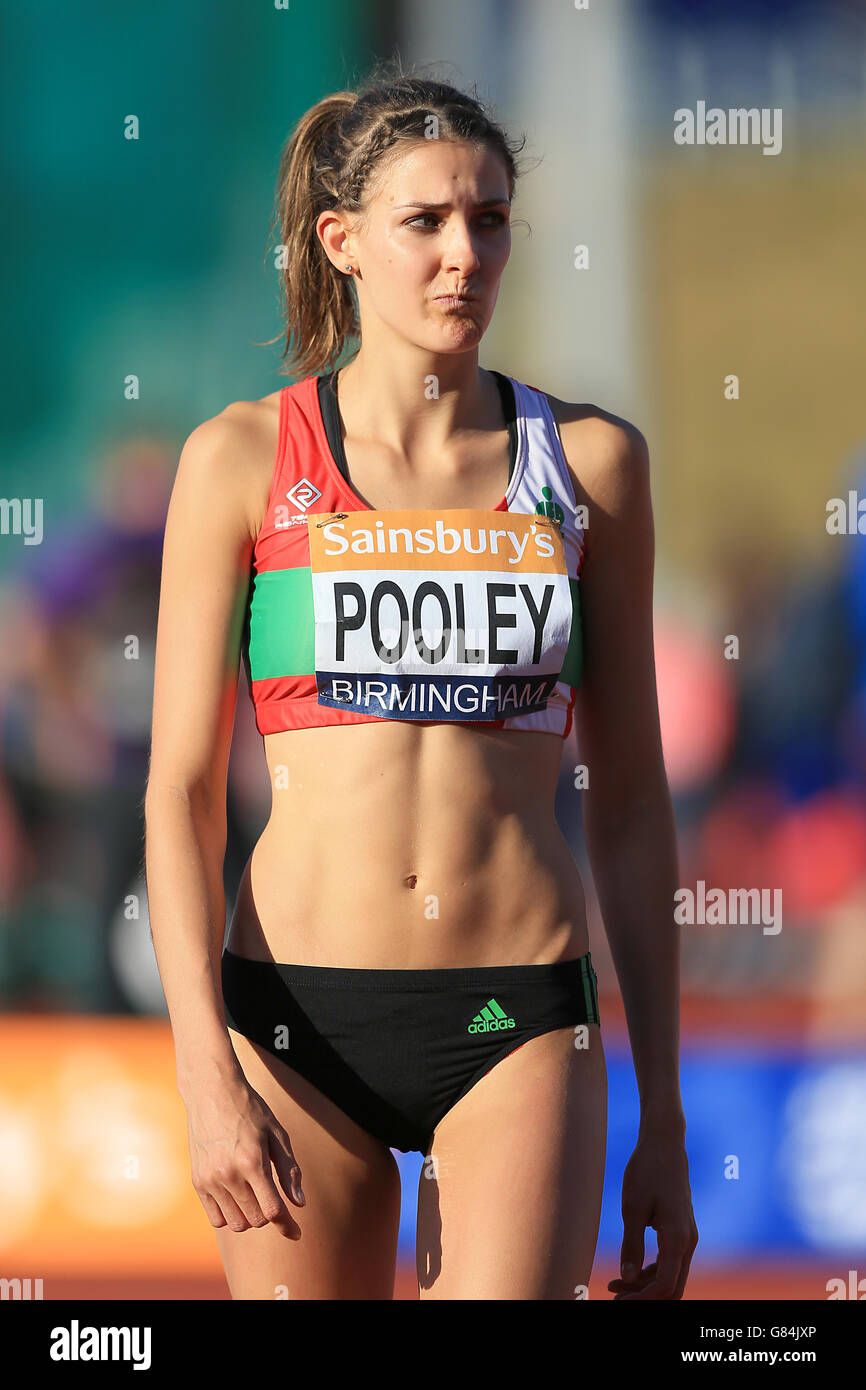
230	457
607	456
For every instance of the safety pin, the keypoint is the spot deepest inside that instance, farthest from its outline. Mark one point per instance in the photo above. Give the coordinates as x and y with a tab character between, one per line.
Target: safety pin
336	517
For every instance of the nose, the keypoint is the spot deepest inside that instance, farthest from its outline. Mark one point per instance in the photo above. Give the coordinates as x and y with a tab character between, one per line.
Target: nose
459	247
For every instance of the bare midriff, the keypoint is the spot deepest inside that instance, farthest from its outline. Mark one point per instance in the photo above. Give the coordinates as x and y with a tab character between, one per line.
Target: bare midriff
393	845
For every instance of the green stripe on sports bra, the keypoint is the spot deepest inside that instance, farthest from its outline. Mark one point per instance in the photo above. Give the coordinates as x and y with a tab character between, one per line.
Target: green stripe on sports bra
572	666
282	635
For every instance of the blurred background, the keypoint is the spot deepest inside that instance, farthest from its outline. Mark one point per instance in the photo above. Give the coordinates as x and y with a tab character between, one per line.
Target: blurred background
719	304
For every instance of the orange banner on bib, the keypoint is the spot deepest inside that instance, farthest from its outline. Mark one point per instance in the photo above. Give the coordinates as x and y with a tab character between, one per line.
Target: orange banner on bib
460	539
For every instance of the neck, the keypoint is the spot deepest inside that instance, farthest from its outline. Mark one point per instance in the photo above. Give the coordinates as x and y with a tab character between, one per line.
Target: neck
416	403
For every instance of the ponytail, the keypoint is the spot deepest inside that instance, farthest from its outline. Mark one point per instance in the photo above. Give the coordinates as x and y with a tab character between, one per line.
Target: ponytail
320	308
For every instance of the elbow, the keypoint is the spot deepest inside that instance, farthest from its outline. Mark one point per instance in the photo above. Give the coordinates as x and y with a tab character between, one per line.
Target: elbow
613	816
199	799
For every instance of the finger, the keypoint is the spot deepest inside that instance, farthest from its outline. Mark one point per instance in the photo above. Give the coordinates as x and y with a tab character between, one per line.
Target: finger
247	1200
641	1278
672	1249
214	1215
686	1265
673	1245
621	1287
235	1218
272	1205
287	1168
681	1282
632	1252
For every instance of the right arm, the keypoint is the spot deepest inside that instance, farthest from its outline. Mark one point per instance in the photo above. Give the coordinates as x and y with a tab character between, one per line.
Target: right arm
209	539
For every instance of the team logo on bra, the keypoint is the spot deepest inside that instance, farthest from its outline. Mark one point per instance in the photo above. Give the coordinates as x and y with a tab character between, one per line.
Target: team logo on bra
548	507
303	494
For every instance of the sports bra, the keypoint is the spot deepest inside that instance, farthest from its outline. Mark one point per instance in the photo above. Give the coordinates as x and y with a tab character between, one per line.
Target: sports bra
459	615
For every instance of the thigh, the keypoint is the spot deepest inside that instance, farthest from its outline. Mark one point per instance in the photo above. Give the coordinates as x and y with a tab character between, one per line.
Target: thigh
349	1226
509	1199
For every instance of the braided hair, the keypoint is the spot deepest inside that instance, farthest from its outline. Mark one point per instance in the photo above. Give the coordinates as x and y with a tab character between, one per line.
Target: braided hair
328	162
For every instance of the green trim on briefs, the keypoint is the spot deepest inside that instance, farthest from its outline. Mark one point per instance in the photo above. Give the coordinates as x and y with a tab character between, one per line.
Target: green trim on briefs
590	993
587	999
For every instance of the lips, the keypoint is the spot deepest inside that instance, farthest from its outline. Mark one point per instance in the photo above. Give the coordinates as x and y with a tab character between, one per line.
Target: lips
455	301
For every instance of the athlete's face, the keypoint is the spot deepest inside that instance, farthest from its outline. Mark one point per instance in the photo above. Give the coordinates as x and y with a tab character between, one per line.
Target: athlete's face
410	256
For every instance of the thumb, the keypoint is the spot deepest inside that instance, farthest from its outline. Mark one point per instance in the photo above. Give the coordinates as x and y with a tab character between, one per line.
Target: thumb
286	1164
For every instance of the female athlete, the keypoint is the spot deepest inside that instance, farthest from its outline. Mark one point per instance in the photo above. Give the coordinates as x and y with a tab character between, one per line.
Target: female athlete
429	571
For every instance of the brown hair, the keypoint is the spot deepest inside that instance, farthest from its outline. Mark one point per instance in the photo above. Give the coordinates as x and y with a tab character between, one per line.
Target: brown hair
327	162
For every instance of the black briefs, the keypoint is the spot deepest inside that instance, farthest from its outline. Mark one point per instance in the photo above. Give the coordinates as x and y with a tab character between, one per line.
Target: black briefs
396	1049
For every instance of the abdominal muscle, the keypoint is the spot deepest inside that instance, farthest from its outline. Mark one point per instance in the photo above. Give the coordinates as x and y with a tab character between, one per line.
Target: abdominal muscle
393	845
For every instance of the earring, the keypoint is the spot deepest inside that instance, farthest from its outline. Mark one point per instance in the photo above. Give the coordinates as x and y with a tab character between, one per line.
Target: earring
348	268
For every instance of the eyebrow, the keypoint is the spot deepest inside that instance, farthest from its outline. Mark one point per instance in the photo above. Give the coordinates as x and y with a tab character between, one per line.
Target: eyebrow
437	207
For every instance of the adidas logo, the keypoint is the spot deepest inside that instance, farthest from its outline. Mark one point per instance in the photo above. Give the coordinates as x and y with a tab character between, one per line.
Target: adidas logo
490	1019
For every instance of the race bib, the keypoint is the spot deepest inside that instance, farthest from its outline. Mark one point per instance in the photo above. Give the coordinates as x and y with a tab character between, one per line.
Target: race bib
461	614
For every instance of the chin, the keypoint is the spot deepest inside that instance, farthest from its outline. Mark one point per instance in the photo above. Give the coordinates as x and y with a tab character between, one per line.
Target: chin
469	337
460	328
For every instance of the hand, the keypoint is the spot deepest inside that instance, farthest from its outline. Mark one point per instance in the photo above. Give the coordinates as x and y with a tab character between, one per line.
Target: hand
233	1140
656	1193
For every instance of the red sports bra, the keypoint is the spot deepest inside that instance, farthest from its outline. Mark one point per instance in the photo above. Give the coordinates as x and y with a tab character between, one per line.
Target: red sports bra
463	615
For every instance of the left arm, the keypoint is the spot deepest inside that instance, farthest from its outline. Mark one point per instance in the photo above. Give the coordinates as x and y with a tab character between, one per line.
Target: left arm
629	822
627	812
